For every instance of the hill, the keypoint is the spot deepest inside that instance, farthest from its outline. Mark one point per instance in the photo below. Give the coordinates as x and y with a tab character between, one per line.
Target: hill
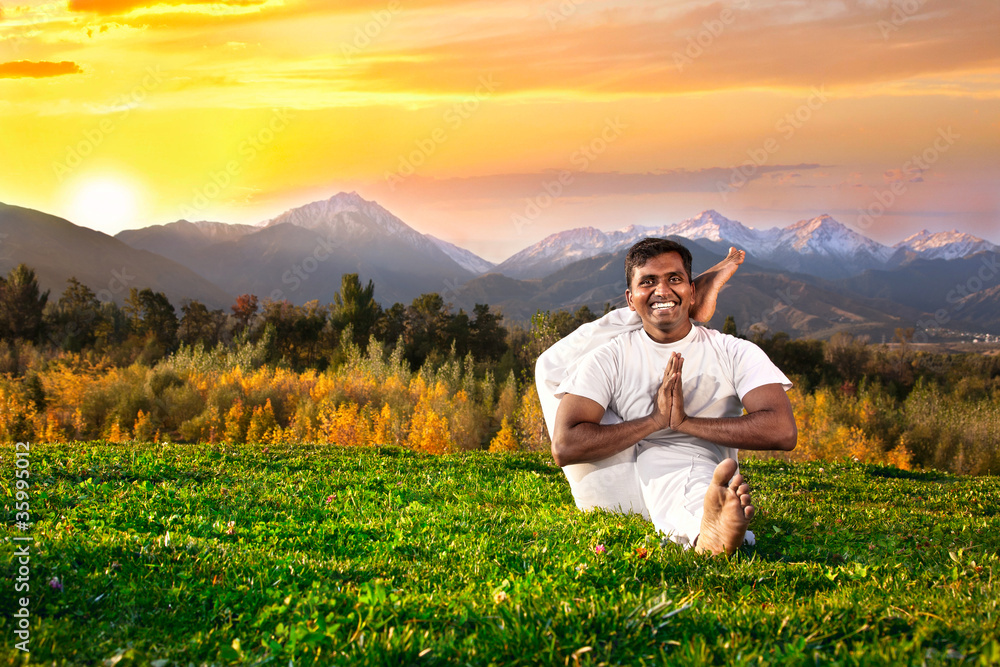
57	250
301	254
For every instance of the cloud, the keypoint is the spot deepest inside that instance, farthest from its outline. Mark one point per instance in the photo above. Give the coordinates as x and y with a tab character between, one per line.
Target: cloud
598	50
586	184
107	7
37	70
711	48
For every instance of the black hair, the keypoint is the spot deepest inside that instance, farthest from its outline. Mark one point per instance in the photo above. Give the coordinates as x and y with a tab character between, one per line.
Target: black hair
647	249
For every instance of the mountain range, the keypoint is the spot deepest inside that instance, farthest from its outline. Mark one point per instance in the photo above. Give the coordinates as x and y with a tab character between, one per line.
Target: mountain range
819	246
812	278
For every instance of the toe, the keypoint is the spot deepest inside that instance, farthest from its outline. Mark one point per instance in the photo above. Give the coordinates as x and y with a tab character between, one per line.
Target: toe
736	482
724	472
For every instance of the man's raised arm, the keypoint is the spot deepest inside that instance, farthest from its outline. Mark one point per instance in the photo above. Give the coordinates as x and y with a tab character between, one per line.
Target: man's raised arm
579	436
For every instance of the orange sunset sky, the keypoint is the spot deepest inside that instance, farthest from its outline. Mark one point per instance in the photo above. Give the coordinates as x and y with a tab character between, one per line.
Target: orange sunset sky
494	124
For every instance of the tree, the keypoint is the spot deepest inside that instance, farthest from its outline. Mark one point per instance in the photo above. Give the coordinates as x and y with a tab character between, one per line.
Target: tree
200	325
296	332
583	315
244	309
22	305
487	338
152	316
392	325
729	326
848	355
457	333
425	333
356	306
76	318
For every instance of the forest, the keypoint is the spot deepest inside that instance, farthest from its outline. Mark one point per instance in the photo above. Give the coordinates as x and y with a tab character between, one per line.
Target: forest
353	373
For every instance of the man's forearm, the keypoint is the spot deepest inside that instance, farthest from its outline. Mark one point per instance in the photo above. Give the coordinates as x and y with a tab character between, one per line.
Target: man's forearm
586	442
761	430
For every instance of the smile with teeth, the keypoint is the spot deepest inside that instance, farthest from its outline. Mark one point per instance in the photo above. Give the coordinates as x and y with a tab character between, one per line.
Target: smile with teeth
663	305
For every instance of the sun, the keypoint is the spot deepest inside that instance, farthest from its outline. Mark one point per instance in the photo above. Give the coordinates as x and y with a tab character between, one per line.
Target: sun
108	204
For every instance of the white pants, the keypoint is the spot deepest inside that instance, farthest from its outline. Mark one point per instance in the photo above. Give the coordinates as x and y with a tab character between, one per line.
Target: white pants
647	480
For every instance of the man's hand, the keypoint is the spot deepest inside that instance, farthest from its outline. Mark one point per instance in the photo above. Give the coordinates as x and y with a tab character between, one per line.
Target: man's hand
664	400
676	388
668	412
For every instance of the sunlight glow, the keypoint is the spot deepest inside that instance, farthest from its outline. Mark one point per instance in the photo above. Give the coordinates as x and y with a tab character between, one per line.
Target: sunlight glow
107	203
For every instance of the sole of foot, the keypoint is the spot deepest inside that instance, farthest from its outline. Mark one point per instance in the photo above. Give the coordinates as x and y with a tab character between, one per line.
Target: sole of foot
728	510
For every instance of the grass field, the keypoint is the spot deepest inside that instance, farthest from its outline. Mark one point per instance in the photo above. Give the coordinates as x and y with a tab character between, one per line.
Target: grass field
180	554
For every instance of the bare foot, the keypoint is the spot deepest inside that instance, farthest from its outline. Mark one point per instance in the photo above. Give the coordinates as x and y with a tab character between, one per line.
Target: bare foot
728	511
709	284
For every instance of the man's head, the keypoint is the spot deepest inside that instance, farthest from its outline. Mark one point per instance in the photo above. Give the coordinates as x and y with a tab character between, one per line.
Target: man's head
660	289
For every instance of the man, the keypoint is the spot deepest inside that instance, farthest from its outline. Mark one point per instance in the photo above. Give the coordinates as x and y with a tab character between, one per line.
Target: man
653	438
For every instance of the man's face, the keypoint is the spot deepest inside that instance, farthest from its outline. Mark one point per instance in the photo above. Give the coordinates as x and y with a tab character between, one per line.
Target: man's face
662	293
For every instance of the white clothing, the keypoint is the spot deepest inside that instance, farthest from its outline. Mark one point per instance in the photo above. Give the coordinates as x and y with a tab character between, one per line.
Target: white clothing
672	470
611	484
559	361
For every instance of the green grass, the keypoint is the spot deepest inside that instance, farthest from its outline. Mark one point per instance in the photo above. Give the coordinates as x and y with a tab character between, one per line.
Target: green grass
383	556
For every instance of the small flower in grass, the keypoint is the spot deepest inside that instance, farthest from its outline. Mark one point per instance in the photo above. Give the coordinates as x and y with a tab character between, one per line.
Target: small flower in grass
231	528
499	597
55	584
330	498
641	552
600	549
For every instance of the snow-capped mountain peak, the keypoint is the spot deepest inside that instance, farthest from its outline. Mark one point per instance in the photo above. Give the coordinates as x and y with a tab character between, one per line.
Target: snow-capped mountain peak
945	245
823	235
332	211
558	250
347	215
713	226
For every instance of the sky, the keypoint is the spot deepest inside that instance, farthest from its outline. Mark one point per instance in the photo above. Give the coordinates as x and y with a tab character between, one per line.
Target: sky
494	124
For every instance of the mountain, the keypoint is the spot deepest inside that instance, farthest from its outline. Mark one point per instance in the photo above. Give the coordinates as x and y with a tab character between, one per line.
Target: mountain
945	245
755	296
556	251
713	226
182	239
58	250
465	258
301	254
818	246
812	278
958	293
981	309
821	247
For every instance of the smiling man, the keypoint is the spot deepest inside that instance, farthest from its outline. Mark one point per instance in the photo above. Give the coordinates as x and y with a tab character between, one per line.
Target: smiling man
665	408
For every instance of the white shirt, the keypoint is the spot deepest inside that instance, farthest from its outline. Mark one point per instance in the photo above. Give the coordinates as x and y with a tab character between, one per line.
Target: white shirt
624	374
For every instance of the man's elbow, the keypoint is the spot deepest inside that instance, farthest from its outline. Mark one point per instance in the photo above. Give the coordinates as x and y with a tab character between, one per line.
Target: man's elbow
565	448
561	452
788	437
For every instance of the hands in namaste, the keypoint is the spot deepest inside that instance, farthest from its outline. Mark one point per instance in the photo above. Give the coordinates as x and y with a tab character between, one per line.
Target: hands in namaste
669	409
